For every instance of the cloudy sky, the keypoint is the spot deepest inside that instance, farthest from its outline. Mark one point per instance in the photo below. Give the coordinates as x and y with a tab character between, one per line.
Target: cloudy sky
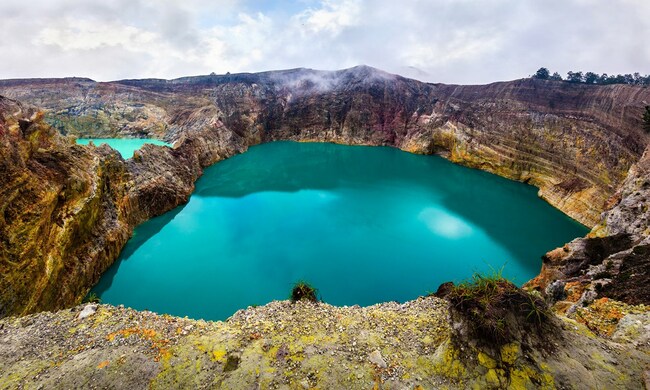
451	41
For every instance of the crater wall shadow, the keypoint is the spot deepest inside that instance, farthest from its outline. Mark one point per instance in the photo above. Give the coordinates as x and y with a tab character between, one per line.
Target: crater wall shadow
141	235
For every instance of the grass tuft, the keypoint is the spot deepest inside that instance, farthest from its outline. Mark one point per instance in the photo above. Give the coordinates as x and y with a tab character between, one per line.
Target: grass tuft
303	291
92	298
496	310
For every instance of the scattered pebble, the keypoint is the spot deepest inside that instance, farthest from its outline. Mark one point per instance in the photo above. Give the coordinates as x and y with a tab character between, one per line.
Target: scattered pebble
279	345
376	359
87	311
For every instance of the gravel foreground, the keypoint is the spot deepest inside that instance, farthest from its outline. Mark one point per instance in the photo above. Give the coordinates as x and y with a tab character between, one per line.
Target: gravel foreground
303	345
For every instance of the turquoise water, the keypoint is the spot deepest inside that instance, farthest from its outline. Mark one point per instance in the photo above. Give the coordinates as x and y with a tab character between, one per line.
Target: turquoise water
362	224
126	146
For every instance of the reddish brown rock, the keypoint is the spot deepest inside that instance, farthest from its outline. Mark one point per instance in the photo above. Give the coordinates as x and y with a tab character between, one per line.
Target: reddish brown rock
68	210
614	260
575	142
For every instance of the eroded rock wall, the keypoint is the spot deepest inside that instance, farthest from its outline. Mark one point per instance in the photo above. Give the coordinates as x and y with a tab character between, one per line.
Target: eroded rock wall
614	260
67	210
59	224
575	142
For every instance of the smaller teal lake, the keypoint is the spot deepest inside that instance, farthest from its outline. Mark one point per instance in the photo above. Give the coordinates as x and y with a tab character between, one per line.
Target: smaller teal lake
125	146
362	224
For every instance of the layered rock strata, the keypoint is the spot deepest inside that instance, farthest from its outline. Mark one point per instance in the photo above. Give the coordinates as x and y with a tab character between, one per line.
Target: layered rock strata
614	260
575	142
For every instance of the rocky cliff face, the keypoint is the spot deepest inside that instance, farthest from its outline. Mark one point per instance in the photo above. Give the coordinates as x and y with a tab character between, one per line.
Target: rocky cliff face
58	225
68	210
575	142
614	260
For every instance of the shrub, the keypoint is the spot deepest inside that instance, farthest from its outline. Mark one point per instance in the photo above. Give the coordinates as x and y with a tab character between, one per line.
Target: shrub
495	310
303	290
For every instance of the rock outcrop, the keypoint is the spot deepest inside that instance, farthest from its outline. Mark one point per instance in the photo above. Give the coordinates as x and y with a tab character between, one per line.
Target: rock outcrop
614	260
67	210
58	225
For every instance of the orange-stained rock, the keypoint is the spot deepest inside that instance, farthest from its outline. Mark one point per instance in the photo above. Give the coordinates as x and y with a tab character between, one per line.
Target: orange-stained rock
557	254
602	316
561	307
574	291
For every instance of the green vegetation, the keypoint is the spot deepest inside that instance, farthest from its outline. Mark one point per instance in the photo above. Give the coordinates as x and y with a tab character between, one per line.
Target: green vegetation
92	298
303	290
574	77
593	78
542	74
495	309
646	119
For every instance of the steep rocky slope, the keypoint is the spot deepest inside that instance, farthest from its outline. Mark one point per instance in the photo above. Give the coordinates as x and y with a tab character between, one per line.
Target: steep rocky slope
614	260
574	142
68	210
57	225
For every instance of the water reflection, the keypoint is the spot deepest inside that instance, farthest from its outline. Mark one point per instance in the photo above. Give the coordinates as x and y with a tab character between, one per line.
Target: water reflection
139	238
444	223
498	206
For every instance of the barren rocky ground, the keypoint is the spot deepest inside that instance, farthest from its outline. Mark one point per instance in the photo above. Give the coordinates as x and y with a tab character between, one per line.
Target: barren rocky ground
308	345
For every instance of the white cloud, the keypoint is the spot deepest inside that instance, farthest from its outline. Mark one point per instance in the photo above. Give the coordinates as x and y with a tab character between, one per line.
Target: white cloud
454	41
465	46
332	17
86	35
